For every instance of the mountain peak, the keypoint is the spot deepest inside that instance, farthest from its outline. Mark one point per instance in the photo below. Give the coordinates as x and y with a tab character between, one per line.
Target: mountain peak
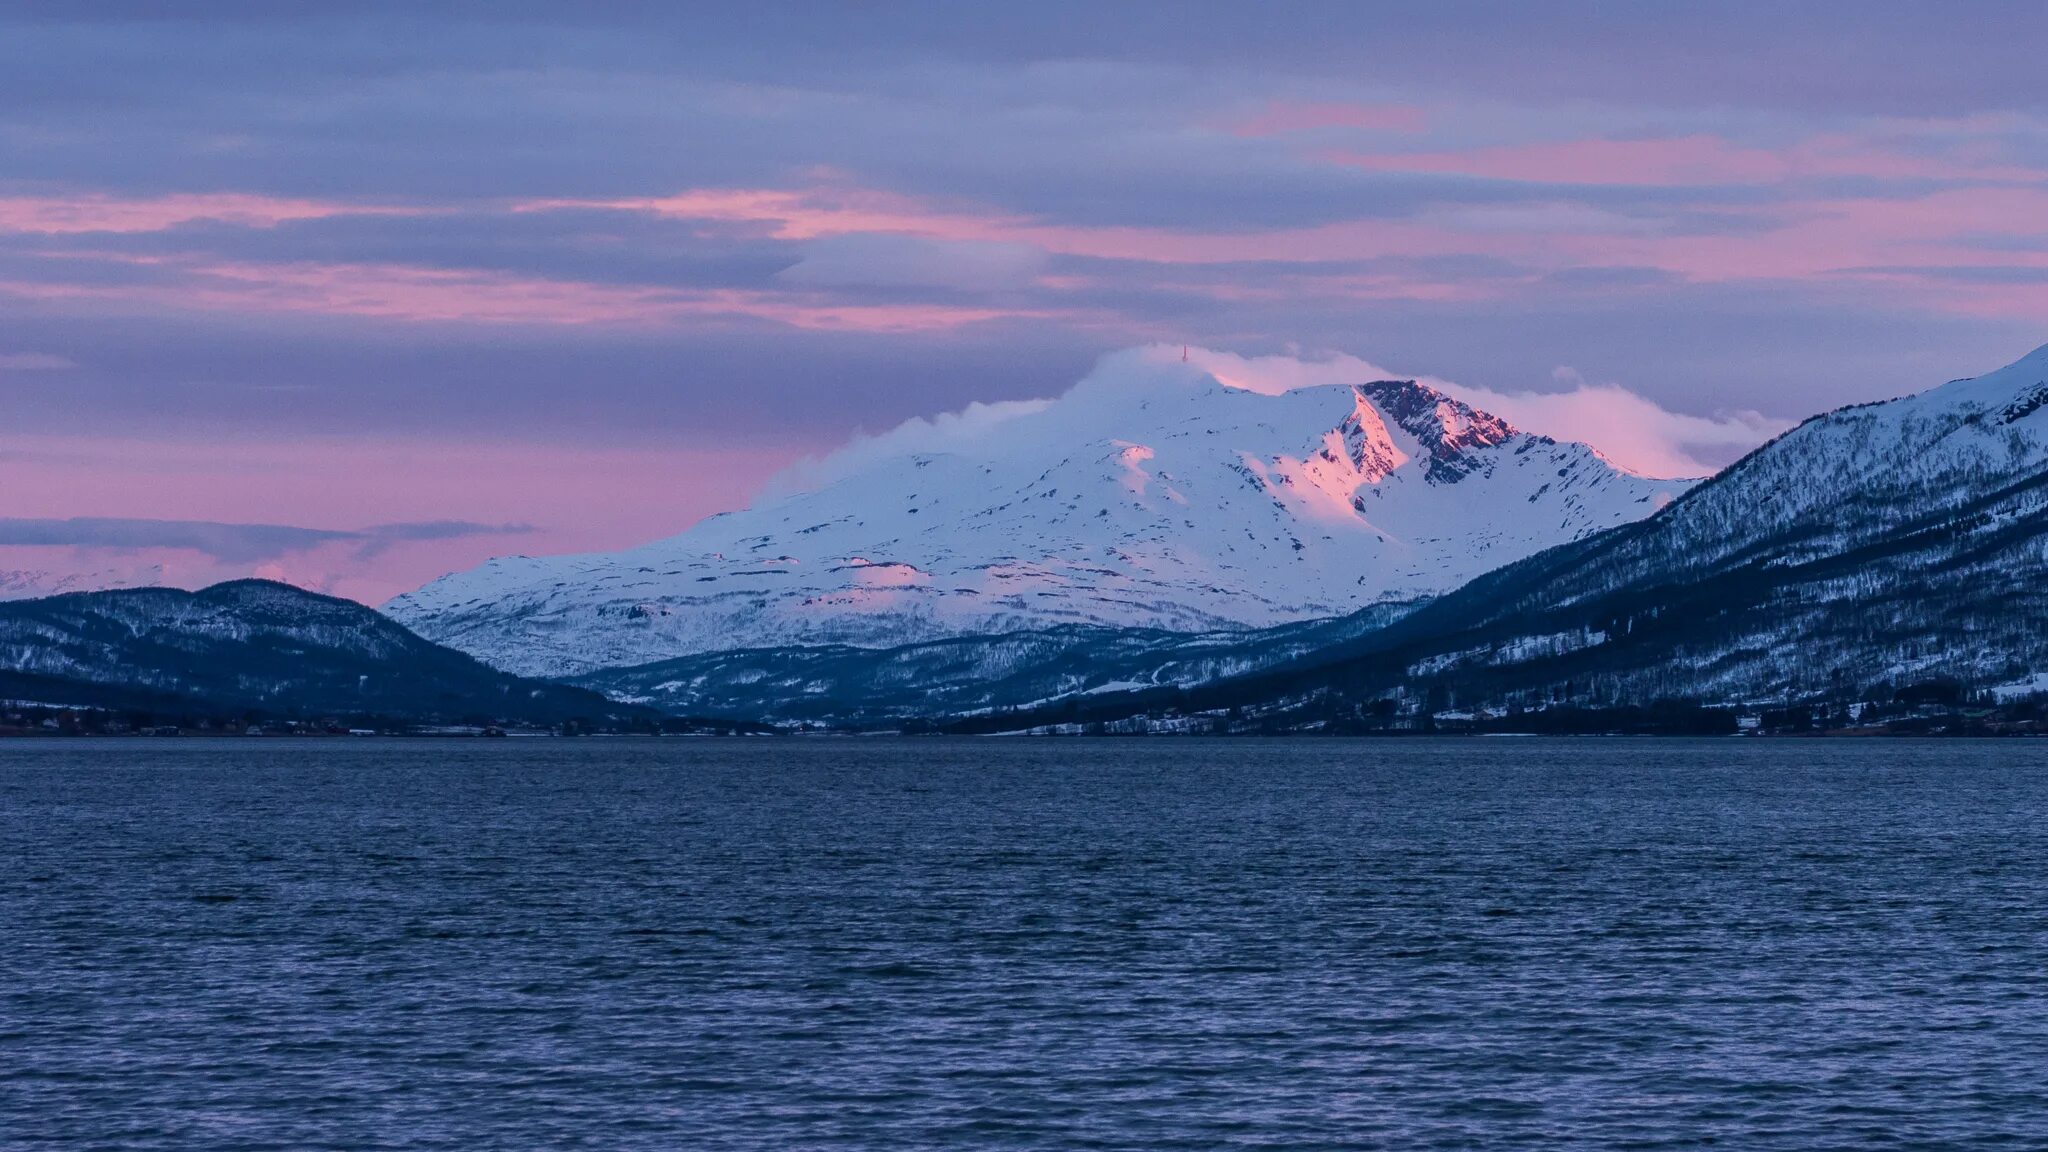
1870	549
2016	390
1186	507
1447	428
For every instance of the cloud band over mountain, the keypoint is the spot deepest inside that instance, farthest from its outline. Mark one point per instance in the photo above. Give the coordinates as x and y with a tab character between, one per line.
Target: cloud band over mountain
232	543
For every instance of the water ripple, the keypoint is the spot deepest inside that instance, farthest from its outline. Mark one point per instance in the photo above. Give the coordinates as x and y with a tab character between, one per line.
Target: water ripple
1078	944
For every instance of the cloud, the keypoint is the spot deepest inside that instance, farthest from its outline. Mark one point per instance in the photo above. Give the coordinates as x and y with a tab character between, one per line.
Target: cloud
872	260
411	294
601	246
961	431
381	538
231	543
433	505
1628	428
1281	117
96	212
34	362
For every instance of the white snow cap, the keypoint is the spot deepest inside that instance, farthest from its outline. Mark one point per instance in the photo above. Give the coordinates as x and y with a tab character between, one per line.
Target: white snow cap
1630	429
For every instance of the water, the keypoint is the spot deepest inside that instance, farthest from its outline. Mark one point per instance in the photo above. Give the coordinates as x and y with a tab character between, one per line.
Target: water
1058	944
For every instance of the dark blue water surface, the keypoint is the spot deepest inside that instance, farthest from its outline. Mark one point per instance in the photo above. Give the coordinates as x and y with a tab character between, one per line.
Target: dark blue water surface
789	944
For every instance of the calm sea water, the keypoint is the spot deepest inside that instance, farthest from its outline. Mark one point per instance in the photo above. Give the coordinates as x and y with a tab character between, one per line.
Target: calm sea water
1053	944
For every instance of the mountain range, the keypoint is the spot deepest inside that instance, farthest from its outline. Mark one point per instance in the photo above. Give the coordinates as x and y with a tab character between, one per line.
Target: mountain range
1388	571
1869	551
33	583
1151	496
841	686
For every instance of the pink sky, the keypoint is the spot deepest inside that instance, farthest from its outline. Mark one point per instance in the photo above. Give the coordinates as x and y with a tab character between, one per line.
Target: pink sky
574	499
1958	201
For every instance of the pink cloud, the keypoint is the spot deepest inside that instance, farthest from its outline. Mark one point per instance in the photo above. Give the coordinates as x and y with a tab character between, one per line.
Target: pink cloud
577	498
942	241
57	215
1796	240
1628	428
1813	239
1845	154
415	294
839	210
834	209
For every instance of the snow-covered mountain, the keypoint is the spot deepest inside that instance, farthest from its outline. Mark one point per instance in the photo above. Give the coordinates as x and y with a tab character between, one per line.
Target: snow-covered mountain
1868	551
30	583
1149	496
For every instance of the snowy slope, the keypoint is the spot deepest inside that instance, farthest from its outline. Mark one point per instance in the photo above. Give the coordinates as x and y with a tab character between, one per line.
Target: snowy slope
1851	476
30	583
848	688
1149	496
1868	550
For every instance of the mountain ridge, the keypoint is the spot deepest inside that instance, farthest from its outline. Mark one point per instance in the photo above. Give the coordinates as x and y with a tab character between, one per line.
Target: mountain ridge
1148	496
261	647
1865	550
843	687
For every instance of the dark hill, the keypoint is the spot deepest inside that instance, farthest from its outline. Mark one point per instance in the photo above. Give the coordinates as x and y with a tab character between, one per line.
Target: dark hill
254	646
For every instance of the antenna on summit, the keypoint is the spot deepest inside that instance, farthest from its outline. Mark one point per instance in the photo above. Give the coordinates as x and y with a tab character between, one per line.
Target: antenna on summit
1183	353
